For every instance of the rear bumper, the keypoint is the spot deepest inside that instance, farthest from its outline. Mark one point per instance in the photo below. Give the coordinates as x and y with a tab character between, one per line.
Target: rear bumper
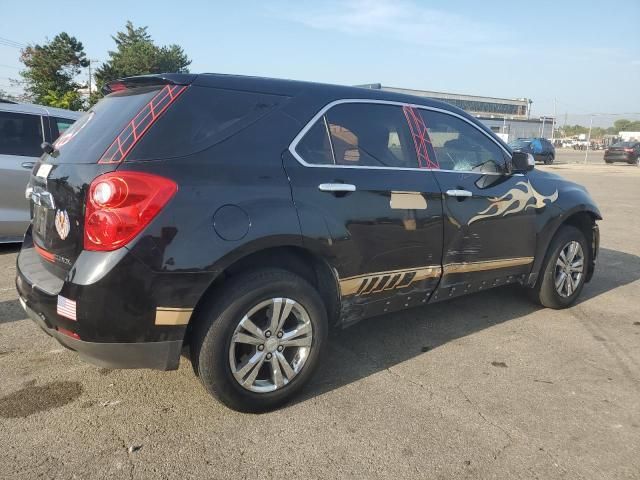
155	355
116	312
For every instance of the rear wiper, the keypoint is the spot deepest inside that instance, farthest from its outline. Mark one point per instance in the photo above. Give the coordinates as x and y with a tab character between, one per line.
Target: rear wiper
49	149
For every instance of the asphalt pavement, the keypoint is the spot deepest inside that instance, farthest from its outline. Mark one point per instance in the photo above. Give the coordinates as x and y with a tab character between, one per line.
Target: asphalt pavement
488	386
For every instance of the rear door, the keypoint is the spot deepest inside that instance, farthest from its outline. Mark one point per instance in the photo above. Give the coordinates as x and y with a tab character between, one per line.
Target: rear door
489	215
364	202
20	139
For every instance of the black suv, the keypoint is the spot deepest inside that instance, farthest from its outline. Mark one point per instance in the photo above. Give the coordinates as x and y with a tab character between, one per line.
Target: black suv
541	149
242	217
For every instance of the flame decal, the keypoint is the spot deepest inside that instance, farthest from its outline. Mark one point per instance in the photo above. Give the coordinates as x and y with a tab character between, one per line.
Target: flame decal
514	201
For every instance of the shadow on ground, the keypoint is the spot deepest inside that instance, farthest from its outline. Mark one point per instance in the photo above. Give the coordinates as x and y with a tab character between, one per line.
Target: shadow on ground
379	343
11	311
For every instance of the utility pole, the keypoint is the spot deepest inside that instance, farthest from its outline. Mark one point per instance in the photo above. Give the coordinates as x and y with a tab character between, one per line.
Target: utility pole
90	74
586	153
553	122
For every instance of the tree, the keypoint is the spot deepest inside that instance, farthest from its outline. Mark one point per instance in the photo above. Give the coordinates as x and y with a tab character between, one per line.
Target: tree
51	69
624	125
137	54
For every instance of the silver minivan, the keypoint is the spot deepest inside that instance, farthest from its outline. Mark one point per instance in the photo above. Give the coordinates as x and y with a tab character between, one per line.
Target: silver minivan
23	128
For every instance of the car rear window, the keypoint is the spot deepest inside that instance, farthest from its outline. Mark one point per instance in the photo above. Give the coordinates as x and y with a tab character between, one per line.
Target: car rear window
624	144
202	117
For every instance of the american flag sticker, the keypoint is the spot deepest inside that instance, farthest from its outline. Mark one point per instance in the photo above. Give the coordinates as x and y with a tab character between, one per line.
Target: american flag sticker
66	308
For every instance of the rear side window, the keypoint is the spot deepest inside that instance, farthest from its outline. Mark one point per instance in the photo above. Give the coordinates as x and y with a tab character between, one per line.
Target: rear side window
460	146
360	134
20	134
62	124
200	118
90	136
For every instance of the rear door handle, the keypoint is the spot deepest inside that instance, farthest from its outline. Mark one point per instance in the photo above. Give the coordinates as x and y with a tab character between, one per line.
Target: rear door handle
459	193
336	187
28	165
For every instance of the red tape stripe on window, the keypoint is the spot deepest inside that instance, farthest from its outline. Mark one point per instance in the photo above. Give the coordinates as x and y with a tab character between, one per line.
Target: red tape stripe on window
420	136
138	126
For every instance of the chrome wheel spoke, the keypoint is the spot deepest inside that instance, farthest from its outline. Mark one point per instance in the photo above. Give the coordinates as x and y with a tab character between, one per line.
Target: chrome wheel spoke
286	368
569	285
247	339
577	265
560	279
276	372
251	327
250	370
280	311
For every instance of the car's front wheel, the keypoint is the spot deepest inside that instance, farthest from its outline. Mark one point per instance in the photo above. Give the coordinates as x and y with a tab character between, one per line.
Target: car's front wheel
564	270
259	340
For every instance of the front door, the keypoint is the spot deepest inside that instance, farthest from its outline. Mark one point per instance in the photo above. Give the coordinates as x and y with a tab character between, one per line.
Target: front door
364	203
489	216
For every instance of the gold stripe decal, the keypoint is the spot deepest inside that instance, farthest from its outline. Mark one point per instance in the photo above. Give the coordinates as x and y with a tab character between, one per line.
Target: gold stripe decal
173	316
395	279
379	281
465	267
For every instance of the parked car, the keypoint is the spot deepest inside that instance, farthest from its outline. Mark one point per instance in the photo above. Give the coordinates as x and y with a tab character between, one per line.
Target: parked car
23	128
628	152
541	149
242	217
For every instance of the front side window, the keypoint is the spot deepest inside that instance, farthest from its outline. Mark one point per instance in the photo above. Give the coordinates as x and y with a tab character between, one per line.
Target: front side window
20	134
360	134
460	146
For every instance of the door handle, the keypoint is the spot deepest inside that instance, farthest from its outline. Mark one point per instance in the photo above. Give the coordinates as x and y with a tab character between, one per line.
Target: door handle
459	193
28	165
337	187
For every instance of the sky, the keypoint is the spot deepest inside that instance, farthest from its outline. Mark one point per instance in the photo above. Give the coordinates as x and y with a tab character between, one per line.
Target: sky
575	57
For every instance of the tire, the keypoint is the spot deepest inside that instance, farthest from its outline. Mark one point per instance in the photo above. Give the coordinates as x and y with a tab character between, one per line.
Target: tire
214	347
545	292
548	159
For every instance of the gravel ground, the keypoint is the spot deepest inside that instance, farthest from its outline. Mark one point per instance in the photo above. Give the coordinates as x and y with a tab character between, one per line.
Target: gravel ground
488	386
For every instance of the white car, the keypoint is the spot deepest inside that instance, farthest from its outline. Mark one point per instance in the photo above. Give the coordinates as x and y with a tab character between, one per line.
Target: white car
23	128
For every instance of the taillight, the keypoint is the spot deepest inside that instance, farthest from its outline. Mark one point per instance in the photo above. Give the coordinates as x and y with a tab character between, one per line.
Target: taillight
628	150
120	205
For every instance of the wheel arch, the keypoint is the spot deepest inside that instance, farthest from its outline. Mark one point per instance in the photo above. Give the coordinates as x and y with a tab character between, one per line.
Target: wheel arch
294	258
584	219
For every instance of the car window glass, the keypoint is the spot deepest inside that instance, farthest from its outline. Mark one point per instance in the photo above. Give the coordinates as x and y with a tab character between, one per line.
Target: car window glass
315	146
63	124
460	146
20	134
370	135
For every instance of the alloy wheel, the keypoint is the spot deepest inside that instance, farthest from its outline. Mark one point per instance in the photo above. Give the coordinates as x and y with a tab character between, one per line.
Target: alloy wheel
270	345
569	269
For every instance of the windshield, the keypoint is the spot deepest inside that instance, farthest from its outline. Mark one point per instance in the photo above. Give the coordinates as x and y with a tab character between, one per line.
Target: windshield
623	144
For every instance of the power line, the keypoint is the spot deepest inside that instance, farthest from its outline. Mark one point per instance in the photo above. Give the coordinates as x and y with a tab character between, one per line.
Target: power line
11	43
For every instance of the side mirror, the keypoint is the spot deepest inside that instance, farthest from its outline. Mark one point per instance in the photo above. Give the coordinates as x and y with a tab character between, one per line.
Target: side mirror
522	162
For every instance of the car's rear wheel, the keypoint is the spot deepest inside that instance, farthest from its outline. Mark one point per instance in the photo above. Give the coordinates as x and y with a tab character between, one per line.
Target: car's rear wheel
548	159
258	341
564	270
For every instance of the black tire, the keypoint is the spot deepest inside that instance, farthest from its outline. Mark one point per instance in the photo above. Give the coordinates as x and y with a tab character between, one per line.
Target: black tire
548	160
544	292
218	319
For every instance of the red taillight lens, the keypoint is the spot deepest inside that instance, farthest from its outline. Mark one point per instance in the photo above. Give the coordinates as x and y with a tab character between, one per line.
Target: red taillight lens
120	205
628	150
